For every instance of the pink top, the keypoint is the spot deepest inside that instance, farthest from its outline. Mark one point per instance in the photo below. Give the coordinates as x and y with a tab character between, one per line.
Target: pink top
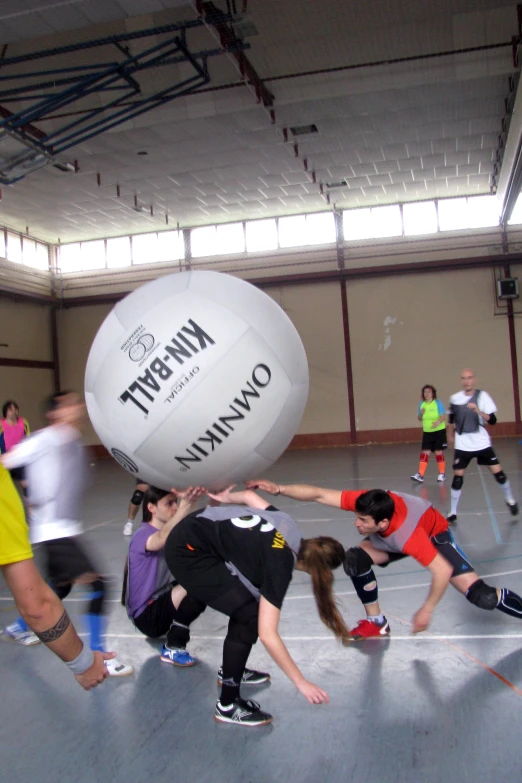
13	433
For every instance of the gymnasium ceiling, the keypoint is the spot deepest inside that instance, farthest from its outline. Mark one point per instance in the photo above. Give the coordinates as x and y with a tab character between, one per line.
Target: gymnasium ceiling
408	98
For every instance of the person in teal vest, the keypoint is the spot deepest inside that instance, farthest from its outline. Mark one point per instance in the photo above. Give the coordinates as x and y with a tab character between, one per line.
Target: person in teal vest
433	417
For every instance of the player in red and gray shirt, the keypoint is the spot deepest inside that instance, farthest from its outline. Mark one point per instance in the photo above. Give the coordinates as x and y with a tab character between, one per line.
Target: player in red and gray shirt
396	525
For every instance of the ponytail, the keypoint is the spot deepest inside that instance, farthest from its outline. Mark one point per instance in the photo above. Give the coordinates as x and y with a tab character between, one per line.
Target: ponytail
320	556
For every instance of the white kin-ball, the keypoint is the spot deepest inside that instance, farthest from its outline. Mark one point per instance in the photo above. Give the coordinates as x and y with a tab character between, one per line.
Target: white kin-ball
197	378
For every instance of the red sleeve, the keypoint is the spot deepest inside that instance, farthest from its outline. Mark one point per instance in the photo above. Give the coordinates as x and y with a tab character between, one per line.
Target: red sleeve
420	547
349	497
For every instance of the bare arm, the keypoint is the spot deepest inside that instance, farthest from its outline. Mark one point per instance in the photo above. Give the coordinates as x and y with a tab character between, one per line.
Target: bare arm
45	614
245	498
306	492
268	625
186	504
441	572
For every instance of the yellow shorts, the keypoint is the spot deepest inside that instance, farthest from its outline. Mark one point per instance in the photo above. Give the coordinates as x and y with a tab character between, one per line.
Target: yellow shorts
14	533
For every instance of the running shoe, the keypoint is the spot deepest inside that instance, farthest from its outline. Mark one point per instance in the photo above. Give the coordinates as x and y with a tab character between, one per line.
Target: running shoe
417	477
244	713
21	635
366	629
452	518
441	477
127	530
513	507
250	677
118	669
177	657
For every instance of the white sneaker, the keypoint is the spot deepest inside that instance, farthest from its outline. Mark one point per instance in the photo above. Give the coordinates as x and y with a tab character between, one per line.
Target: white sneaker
441	477
127	530
21	636
118	669
417	477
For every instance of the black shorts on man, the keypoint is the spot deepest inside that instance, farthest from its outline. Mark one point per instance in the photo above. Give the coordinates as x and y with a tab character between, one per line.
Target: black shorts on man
461	459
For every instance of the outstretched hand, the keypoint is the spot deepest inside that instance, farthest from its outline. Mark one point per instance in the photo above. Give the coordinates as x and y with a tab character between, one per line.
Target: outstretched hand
188	496
226	495
264	485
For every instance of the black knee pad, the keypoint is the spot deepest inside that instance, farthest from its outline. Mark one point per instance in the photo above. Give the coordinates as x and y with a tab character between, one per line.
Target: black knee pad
242	626
457	482
356	561
482	595
97	597
500	477
137	498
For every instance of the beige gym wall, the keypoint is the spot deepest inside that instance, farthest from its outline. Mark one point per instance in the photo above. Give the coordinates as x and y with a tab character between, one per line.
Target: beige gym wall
26	330
409	330
77	327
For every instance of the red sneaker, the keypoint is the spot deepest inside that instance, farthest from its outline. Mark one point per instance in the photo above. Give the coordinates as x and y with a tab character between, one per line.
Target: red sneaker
366	629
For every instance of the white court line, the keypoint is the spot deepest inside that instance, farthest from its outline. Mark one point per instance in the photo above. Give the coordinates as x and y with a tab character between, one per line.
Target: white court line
408	638
310	595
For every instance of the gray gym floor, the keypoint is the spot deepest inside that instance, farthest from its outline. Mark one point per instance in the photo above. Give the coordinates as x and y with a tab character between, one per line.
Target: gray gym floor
424	709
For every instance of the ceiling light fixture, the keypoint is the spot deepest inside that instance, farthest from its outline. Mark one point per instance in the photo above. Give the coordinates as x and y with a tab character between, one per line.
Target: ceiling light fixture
304	130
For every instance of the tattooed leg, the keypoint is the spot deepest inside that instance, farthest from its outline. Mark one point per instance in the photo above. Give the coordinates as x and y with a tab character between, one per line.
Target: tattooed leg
58	630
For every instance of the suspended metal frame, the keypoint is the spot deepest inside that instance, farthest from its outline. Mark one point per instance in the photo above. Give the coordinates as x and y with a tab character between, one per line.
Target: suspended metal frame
25	147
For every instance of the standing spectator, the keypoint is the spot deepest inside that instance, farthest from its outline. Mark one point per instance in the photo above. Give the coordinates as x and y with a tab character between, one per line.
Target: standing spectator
433	417
469	411
13	428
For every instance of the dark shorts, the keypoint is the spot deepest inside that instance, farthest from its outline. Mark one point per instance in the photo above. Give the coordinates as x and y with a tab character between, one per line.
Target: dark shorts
461	459
445	544
434	441
66	560
157	617
203	575
17	474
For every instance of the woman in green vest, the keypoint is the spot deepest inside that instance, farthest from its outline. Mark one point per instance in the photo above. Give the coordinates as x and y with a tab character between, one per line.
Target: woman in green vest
433	417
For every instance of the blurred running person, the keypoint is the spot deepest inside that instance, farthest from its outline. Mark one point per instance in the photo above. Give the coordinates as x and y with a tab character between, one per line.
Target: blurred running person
155	603
469	411
240	562
41	608
433	417
56	477
134	506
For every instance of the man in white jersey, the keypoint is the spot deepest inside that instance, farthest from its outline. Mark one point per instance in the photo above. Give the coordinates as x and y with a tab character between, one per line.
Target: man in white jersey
469	411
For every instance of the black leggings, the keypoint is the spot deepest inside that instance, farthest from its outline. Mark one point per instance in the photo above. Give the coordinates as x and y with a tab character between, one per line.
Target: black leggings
161	617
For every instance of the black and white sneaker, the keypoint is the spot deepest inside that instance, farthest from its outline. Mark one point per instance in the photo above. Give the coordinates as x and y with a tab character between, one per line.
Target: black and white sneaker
452	518
245	713
250	677
513	507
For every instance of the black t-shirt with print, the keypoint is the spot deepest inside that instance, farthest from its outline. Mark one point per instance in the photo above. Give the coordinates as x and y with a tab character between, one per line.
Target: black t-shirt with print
252	545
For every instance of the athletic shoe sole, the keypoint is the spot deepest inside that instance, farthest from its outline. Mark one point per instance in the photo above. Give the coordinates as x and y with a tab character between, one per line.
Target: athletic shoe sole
224	719
23	642
384	635
181	665
248	682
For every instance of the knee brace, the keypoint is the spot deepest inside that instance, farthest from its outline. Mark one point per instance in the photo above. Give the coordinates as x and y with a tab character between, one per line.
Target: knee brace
97	596
356	561
500	477
482	595
137	498
457	482
242	626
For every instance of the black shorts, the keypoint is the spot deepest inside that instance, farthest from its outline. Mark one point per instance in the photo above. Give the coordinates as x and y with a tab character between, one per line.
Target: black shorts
434	441
17	474
461	459
66	560
157	617
203	575
445	544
